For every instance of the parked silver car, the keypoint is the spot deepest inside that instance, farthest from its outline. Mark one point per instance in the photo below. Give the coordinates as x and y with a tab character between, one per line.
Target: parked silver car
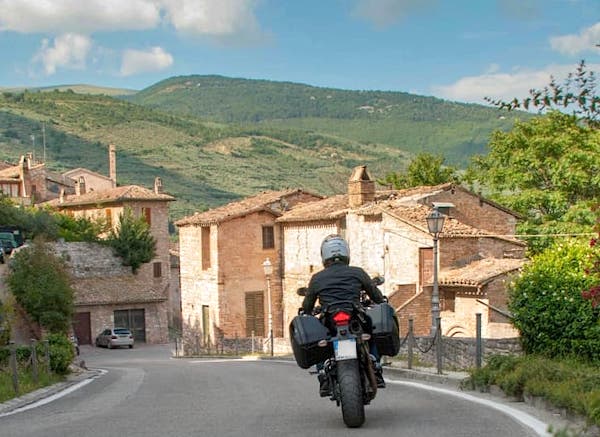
115	337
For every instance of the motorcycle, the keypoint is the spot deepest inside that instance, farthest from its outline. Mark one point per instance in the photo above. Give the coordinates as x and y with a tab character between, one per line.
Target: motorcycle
338	343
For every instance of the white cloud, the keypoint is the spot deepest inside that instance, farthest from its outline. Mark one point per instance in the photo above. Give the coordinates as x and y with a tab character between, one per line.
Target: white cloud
221	18
505	86
137	61
383	13
67	51
61	16
575	44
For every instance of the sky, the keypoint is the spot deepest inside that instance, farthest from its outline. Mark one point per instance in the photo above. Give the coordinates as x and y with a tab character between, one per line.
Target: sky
459	50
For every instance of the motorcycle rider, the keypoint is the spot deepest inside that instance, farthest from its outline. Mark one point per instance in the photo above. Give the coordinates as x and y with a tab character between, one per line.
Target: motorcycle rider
339	281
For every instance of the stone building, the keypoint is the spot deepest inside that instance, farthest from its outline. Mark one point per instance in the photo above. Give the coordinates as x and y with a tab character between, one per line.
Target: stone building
88	181
387	233
30	182
111	296
222	251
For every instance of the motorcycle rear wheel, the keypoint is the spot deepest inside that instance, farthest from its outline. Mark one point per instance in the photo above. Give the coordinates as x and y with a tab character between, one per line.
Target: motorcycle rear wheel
353	409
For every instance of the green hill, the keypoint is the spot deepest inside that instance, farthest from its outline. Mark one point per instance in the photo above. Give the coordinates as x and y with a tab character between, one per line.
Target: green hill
213	139
409	122
203	164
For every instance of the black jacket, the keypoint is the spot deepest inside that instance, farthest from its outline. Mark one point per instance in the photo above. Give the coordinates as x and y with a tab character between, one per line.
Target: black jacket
339	282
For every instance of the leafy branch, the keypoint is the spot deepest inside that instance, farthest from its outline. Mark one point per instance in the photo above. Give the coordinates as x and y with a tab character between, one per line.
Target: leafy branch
577	94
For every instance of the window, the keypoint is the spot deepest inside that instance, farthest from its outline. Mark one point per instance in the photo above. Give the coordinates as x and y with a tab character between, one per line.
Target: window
255	310
157	269
147	214
425	265
268	237
205	248
108	215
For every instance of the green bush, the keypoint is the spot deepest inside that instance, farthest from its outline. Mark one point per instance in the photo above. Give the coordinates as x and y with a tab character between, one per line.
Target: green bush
548	308
565	383
41	285
132	240
61	353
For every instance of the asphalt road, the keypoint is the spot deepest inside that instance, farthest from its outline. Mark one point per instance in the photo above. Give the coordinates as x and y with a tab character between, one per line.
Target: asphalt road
145	392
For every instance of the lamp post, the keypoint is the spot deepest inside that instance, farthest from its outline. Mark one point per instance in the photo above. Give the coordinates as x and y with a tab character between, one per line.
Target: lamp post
268	269
435	224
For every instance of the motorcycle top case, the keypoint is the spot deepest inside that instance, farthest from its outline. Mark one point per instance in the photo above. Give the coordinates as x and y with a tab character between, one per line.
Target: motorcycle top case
386	331
305	332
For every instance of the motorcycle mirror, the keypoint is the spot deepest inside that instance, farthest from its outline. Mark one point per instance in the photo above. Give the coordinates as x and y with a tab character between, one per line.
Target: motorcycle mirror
301	291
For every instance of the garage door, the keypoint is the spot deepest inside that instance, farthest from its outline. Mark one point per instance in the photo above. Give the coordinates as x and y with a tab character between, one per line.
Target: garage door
135	320
82	328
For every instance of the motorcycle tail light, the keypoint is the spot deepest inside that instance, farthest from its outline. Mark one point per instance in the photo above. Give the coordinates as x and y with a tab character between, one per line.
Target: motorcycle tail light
322	343
365	337
341	318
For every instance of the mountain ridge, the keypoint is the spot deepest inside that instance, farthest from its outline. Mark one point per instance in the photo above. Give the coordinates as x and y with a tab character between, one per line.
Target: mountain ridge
205	161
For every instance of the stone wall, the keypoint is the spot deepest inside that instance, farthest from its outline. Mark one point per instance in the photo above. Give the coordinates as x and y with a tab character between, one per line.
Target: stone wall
102	285
459	353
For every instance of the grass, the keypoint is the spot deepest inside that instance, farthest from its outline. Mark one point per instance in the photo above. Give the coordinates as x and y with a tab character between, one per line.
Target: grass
567	383
26	383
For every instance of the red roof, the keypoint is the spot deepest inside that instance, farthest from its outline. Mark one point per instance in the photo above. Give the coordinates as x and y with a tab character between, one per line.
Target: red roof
271	201
126	193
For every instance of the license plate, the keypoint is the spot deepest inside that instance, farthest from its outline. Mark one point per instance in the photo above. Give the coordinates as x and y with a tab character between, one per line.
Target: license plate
345	349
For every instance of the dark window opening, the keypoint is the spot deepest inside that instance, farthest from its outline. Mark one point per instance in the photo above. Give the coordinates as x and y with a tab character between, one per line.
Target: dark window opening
255	310
147	213
157	270
268	237
205	248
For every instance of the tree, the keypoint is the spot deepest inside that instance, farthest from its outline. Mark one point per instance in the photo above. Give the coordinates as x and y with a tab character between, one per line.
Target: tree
424	169
547	305
577	94
543	165
593	271
41	285
79	229
132	240
547	169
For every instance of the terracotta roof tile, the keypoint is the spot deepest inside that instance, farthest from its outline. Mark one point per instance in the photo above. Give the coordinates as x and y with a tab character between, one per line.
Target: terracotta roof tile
118	194
267	200
480	272
336	206
415	214
328	208
10	172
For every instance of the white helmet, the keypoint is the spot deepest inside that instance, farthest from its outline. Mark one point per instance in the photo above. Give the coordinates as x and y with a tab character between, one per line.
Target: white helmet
333	248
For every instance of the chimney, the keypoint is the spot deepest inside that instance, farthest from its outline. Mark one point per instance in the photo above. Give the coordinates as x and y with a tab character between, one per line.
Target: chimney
361	189
61	196
112	164
80	186
158	188
29	160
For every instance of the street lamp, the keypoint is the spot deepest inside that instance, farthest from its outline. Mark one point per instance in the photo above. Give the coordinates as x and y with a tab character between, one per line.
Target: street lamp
268	269
435	224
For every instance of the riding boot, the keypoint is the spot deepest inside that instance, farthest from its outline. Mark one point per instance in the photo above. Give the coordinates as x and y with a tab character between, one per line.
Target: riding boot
324	388
378	372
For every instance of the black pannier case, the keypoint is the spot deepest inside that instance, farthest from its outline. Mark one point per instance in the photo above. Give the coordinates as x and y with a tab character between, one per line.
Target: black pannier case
305	332
386	331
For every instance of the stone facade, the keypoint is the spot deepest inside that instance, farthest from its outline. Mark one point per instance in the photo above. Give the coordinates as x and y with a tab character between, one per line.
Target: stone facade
93	181
222	255
222	252
103	285
29	182
387	234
